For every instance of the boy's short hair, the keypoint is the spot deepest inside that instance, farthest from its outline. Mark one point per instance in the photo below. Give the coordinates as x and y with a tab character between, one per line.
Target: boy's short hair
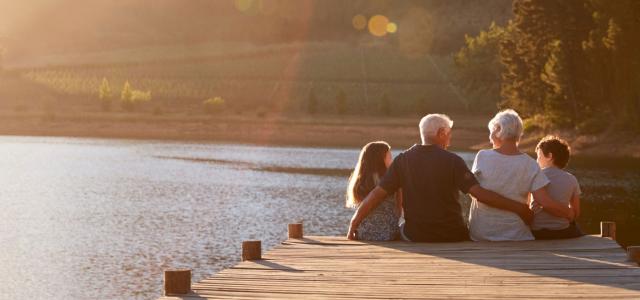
558	147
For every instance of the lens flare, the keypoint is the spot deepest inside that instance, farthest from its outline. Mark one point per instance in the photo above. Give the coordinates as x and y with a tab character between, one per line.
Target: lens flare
248	7
392	27
378	25
359	22
244	5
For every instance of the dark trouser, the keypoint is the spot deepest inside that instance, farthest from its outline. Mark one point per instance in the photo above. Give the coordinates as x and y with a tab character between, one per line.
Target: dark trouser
573	231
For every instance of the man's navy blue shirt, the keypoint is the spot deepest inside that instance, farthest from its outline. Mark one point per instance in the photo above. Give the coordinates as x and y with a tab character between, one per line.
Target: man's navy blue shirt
430	178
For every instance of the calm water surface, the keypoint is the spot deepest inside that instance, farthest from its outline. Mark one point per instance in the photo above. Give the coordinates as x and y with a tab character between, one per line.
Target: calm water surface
95	218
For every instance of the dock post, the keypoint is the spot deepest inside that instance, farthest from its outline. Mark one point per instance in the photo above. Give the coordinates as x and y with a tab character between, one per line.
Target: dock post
251	250
295	231
608	229
177	282
633	253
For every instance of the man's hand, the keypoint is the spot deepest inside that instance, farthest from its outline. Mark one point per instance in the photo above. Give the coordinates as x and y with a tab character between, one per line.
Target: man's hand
526	215
369	203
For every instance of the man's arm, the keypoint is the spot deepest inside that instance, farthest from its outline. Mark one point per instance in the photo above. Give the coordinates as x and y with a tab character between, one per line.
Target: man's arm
555	208
370	202
496	200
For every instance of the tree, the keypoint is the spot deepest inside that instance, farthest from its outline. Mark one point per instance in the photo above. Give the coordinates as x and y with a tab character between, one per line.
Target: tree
559	104
126	97
138	96
613	61
104	93
478	68
543	59
341	102
213	105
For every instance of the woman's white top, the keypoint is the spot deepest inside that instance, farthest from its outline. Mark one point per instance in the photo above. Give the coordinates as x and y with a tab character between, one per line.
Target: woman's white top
512	176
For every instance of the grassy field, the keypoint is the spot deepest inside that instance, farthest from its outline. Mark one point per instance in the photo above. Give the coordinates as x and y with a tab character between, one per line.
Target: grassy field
268	78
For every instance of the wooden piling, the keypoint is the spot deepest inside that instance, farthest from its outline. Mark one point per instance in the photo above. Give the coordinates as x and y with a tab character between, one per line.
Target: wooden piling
295	231
251	250
633	253
177	282
608	229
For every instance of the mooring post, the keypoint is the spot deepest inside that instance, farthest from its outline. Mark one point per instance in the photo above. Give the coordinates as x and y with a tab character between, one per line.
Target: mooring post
295	231
608	229
633	253
177	282
251	250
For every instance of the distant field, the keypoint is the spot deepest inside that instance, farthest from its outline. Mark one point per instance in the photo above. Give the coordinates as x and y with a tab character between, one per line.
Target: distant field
269	78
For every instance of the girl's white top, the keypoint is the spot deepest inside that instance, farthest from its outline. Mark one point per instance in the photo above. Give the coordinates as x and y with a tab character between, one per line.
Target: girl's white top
512	176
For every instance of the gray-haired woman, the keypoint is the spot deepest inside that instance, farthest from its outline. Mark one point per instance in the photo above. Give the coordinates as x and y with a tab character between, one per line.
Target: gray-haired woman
513	174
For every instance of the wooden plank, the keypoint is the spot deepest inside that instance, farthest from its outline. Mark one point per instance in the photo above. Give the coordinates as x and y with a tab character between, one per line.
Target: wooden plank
332	267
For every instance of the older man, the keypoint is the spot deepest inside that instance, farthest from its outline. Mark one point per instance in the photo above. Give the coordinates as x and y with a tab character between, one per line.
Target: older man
430	178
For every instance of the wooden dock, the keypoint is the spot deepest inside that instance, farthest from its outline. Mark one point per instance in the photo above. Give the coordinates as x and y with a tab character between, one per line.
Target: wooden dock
316	267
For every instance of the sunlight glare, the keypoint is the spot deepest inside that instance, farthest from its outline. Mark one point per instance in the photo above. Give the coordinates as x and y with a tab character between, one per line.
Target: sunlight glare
378	25
392	27
359	22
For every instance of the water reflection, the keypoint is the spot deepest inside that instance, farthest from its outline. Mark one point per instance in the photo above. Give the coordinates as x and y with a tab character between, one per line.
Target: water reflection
94	218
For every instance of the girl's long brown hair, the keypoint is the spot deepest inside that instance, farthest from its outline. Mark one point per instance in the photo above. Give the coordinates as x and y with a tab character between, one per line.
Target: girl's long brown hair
367	173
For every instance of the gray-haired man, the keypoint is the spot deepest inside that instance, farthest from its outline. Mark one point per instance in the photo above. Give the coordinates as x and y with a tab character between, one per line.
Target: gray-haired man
430	178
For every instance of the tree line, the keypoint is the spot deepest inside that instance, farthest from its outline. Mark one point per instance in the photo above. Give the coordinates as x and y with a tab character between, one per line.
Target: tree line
565	63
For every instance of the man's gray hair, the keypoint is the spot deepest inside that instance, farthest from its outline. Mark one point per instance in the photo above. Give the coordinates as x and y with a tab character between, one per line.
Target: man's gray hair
430	124
506	125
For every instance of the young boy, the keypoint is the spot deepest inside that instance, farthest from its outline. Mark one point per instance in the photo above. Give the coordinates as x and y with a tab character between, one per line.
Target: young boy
553	156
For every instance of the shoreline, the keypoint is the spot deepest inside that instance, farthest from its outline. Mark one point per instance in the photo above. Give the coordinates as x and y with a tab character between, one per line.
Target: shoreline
348	132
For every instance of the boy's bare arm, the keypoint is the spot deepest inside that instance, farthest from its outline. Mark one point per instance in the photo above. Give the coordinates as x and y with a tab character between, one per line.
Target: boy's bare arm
542	197
575	205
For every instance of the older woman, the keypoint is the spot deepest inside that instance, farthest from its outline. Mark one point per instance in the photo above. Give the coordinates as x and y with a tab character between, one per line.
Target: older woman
513	174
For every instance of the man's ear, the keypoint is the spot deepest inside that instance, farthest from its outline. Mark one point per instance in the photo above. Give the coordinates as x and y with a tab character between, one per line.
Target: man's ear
441	132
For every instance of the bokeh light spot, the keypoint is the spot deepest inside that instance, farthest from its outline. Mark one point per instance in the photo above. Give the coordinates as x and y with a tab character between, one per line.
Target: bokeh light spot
249	7
378	25
359	22
244	5
392	27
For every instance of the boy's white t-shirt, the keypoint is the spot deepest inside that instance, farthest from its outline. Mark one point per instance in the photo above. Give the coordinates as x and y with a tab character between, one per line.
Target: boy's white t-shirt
512	176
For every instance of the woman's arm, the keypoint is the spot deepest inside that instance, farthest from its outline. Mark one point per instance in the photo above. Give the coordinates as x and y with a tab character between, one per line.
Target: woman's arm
575	205
541	196
399	207
369	203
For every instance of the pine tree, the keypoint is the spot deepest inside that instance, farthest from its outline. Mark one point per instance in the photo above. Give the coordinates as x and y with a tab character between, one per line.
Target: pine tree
523	53
542	52
126	97
478	68
104	93
557	104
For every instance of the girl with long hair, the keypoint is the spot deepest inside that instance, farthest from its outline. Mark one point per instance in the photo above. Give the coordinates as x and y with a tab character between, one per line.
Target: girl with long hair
382	223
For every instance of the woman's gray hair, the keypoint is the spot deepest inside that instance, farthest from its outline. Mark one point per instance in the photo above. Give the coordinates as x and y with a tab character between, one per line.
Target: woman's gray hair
506	125
430	124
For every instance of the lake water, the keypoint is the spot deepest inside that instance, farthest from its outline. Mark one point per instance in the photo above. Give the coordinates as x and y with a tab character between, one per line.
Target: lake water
99	218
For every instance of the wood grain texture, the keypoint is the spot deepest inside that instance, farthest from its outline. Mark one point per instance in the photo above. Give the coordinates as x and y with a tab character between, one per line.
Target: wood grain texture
317	267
